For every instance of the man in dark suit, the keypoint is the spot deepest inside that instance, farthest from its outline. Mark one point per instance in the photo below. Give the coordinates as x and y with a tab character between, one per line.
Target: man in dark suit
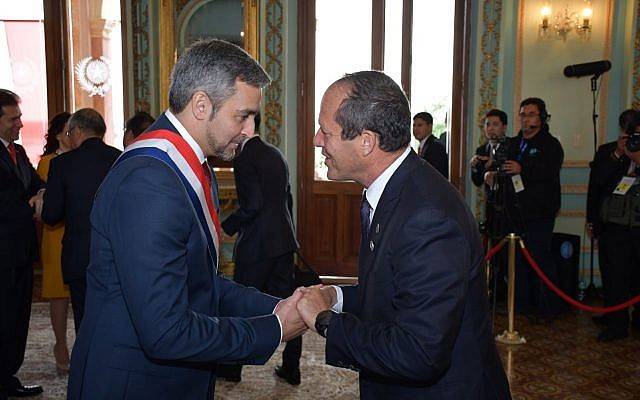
416	325
430	148
74	178
263	252
135	125
610	164
19	184
158	317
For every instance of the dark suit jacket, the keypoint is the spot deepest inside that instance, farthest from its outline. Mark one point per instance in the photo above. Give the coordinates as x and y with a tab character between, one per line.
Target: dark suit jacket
264	219
417	324
73	180
157	316
18	183
606	172
436	154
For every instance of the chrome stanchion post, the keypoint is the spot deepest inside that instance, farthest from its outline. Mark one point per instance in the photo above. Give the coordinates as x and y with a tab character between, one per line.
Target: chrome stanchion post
511	336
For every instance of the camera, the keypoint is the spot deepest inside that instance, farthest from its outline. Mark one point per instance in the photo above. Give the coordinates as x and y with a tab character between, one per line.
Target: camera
500	153
633	142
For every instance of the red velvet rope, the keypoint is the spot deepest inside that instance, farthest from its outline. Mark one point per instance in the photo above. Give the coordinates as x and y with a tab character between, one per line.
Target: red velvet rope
567	298
495	249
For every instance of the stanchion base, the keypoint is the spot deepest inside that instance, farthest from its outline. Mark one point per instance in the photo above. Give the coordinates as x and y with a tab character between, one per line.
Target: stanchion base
511	338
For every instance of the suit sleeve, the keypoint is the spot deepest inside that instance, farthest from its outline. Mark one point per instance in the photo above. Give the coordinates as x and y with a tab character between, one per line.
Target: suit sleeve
249	195
430	262
53	207
240	301
477	173
150	224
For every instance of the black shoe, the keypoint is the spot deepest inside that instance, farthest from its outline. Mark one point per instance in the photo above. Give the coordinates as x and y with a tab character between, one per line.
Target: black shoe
291	376
24	391
610	335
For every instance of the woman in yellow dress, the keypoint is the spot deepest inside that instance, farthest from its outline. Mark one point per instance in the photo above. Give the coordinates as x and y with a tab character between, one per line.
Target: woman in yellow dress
53	288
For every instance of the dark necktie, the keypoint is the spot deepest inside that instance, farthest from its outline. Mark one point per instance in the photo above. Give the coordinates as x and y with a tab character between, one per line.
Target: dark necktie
365	216
214	185
12	153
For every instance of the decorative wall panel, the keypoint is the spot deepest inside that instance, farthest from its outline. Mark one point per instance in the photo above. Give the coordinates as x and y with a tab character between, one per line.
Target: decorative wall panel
141	53
273	97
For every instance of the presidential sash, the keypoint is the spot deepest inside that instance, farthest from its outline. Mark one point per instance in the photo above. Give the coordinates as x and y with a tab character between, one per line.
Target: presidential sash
175	152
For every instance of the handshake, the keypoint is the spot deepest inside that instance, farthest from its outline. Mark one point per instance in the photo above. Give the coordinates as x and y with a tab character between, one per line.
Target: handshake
298	312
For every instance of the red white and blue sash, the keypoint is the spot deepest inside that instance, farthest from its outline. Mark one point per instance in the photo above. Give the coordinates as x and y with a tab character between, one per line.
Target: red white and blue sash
175	152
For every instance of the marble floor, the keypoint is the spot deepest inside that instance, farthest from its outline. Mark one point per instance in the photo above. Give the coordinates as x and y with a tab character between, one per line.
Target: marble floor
561	360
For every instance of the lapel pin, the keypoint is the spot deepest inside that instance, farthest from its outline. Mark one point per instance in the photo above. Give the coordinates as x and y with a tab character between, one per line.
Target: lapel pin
371	245
377	228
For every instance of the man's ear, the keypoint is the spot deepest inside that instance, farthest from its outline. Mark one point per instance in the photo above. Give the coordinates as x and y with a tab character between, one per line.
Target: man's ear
368	142
200	105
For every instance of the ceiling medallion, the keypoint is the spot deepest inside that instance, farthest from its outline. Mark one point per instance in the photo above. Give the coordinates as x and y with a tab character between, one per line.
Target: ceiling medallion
93	75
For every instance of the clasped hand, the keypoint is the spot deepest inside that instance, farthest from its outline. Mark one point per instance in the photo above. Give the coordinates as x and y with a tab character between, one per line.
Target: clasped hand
298	312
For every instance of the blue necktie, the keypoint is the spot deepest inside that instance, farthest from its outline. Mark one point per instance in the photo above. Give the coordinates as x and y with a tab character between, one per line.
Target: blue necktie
365	216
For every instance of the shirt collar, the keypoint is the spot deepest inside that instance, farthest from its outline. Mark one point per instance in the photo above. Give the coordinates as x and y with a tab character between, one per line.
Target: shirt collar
186	135
374	191
5	143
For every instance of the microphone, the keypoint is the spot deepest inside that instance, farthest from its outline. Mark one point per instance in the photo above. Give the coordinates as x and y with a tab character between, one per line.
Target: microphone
596	68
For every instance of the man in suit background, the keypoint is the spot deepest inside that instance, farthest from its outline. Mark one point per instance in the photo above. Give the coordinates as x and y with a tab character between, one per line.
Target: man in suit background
158	317
416	325
74	178
135	125
430	148
263	252
19	184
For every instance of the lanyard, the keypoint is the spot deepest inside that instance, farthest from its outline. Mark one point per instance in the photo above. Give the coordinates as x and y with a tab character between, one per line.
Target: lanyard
523	147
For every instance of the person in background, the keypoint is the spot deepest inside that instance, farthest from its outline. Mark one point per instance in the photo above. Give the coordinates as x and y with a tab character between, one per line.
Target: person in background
135	125
19	186
73	180
53	288
430	148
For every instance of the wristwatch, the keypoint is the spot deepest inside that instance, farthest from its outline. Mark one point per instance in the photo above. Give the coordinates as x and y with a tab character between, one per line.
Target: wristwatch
322	322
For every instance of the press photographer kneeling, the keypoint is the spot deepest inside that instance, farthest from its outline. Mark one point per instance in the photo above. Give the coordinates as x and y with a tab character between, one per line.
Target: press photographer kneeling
530	177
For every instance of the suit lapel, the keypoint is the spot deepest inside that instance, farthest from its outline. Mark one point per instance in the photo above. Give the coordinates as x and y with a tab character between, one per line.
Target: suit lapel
382	218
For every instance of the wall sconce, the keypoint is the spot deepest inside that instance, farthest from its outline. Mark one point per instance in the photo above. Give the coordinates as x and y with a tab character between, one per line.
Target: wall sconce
565	21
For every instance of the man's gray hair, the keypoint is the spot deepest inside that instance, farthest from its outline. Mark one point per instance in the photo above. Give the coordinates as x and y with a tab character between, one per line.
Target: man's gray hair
212	66
89	121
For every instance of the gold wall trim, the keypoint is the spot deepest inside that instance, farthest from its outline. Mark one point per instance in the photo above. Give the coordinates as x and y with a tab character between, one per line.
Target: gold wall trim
573	213
604	93
519	51
574	189
167	46
576	164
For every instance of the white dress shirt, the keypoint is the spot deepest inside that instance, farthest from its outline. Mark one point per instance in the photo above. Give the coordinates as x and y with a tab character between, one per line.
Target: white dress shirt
373	194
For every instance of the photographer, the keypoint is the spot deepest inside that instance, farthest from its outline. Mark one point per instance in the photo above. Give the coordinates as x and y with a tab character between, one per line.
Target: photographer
605	174
532	201
495	149
614	176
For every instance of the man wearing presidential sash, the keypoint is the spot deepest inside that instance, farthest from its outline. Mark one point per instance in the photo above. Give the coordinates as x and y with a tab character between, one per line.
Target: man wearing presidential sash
158	318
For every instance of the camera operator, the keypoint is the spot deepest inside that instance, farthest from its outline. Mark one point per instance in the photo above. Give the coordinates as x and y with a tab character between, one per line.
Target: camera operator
616	176
606	162
532	202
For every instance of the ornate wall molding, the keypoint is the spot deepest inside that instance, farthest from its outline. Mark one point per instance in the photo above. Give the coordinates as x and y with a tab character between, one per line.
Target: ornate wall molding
574	189
489	66
141	53
576	164
636	62
274	44
573	213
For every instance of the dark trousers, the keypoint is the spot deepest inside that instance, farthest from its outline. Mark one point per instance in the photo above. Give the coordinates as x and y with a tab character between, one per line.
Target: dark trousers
78	291
274	276
532	295
16	290
622	249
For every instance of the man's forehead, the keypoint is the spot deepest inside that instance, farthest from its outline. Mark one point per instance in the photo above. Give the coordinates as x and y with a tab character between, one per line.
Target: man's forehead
11	111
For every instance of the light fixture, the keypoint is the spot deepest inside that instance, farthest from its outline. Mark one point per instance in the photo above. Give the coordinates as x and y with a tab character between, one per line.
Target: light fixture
565	21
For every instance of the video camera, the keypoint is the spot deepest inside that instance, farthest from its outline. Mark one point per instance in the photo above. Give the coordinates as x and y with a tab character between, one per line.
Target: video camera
500	153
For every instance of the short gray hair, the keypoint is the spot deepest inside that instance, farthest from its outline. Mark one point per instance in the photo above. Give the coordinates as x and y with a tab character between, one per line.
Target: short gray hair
376	103
213	66
88	120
